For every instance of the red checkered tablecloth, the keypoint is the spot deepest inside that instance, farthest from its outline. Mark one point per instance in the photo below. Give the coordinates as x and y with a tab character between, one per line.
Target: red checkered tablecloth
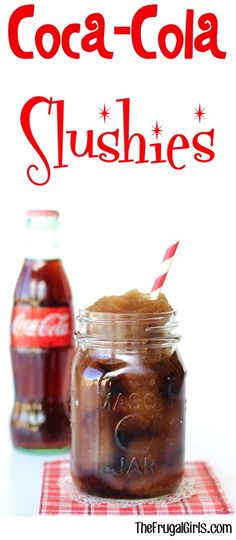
208	499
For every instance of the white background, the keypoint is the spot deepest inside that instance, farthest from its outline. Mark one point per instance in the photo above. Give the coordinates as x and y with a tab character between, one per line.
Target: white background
117	220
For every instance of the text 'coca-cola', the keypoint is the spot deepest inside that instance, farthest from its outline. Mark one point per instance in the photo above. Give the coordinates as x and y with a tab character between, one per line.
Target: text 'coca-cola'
196	35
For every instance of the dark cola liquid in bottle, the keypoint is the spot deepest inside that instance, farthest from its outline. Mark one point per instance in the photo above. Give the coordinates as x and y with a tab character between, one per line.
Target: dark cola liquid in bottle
41	341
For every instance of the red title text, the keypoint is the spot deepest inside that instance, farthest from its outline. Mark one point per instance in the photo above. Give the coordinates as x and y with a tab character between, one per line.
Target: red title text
195	35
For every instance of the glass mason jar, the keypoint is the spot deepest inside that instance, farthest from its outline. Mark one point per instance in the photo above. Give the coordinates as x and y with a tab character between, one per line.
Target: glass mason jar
127	405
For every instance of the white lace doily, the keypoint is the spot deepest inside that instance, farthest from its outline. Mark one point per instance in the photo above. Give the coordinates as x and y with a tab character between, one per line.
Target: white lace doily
185	490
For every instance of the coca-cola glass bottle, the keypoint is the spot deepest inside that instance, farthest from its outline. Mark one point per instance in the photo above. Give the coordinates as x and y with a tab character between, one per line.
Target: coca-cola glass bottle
41	340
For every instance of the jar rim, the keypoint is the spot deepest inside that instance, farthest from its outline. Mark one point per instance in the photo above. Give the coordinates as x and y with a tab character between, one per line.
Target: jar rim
100	316
124	328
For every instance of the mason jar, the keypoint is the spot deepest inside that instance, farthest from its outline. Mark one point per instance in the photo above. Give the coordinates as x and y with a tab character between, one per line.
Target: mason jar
127	405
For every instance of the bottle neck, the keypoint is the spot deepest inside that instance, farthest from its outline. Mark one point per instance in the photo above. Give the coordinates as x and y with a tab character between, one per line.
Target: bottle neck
42	238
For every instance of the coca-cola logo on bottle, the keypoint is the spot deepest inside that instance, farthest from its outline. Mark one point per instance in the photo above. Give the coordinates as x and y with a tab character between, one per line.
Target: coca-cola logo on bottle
52	325
41	327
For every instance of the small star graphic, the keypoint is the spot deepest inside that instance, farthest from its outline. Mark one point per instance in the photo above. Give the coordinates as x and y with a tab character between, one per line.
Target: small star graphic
104	113
199	113
156	130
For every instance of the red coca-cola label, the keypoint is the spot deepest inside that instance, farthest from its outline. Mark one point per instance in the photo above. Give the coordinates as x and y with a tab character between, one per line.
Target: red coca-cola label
41	327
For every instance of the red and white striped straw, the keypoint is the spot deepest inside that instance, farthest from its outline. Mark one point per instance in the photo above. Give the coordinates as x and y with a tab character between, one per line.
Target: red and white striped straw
165	267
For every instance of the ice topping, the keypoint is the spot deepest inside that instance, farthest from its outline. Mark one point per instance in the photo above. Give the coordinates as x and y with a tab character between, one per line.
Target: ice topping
132	302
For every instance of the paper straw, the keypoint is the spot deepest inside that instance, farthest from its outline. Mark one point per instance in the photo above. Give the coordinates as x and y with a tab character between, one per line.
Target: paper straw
165	267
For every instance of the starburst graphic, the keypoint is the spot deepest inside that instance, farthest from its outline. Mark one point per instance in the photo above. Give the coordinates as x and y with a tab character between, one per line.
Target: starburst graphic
104	113
157	130
199	113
